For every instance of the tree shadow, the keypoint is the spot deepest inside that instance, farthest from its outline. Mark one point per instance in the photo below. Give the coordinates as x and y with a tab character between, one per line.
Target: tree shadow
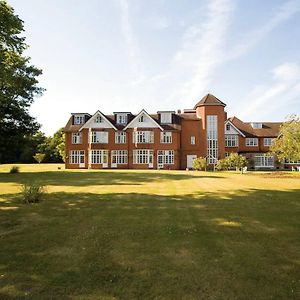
147	246
65	178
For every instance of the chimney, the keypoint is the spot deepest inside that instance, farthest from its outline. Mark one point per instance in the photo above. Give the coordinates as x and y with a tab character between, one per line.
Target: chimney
179	111
225	113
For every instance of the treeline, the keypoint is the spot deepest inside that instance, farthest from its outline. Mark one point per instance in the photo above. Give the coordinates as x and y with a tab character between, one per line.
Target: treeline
51	147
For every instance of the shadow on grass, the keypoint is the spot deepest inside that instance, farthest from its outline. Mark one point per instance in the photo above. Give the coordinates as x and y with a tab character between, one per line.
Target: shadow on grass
95	178
242	245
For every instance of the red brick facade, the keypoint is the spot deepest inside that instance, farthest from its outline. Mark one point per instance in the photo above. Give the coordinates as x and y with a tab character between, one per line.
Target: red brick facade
166	140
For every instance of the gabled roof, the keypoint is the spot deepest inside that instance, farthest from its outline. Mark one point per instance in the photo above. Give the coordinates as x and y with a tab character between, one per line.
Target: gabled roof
240	132
210	99
269	129
138	115
98	112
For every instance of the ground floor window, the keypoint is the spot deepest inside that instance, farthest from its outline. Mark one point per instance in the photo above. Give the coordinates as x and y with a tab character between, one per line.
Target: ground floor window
212	151
99	156
143	156
165	157
264	160
119	156
291	162
76	157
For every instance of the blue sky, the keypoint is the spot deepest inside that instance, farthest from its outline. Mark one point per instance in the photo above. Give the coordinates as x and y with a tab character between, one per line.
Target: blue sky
125	55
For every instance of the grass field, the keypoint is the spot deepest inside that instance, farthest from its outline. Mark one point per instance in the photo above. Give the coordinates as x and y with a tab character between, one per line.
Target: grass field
150	235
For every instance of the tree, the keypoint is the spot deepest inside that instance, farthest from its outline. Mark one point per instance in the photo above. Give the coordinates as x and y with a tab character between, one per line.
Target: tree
200	163
39	157
287	145
234	160
18	86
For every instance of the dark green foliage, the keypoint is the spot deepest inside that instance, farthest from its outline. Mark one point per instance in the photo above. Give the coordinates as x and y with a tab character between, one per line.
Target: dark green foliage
14	170
18	87
32	193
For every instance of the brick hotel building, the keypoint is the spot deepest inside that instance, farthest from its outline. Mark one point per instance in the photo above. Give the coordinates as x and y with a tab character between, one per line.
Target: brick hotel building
167	139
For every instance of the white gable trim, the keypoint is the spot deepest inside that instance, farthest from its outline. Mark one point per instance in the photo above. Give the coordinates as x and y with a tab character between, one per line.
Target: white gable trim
228	121
138	115
98	112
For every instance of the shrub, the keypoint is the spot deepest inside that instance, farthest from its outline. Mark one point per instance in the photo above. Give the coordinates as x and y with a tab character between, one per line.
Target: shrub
232	161
200	163
14	170
32	193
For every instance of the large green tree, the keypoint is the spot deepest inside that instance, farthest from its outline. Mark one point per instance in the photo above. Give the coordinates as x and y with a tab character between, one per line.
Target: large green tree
287	144
18	86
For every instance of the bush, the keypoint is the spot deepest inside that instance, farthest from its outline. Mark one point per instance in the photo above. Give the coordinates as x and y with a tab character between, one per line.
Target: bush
32	193
14	170
234	160
199	163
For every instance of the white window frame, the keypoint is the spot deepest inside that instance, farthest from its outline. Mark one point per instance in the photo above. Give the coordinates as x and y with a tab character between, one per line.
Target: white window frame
76	138
263	161
166	137
141	119
121	118
99	137
143	137
120	137
78	119
165	157
193	140
166	118
212	138
98	156
268	142
251	142
142	156
228	126
119	157
77	157
231	140
98	119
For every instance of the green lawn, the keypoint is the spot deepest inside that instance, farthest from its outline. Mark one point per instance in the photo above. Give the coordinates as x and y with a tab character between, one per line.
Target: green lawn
150	235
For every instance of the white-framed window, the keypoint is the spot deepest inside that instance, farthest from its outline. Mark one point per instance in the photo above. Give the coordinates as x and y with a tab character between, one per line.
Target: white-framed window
99	156
143	156
165	157
256	125
141	119
291	162
165	117
166	137
78	119
231	140
228	127
119	157
251	142
268	141
262	160
121	118
76	157
76	138
99	137
227	154
193	140
98	119
212	138
143	137
120	137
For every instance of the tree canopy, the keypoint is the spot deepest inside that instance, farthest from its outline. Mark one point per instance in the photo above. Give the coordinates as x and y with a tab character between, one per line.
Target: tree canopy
18	86
287	145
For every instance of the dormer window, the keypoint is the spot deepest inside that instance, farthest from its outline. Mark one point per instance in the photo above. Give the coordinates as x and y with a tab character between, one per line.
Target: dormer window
141	119
98	119
256	125
121	119
78	119
165	117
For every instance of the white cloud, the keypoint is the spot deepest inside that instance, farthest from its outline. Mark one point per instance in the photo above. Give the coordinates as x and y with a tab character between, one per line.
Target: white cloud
282	91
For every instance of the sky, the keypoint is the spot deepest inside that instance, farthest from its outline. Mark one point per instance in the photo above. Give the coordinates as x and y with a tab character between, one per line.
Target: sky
129	55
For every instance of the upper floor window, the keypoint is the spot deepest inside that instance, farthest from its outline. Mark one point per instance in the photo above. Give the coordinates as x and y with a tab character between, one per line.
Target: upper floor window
227	126
100	137
76	138
166	117
251	142
121	118
256	125
193	140
98	119
78	119
268	141
231	140
120	137
141	119
142	137
166	137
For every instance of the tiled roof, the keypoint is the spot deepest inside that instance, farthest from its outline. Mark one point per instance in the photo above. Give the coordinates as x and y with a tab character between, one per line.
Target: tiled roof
269	129
209	99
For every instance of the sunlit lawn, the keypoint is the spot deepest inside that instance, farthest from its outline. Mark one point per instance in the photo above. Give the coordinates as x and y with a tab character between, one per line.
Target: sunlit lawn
150	235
